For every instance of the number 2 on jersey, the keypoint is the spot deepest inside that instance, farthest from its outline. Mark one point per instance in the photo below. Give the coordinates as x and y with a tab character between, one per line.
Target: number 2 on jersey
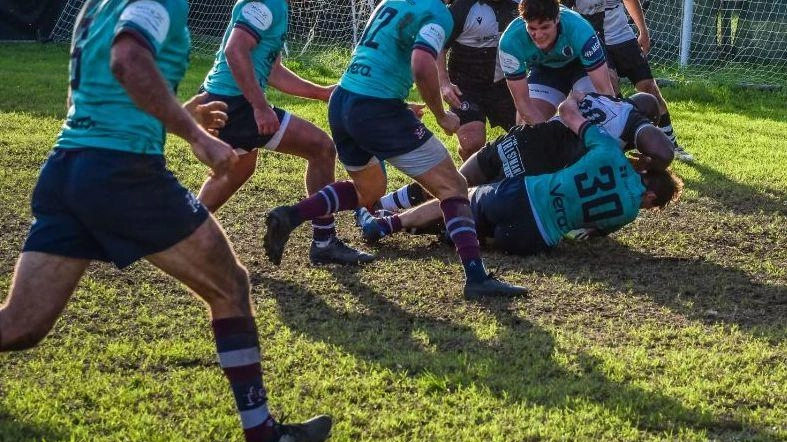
383	18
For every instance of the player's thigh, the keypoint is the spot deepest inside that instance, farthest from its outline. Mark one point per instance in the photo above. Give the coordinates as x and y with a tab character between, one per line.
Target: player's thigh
443	180
304	139
41	287
205	262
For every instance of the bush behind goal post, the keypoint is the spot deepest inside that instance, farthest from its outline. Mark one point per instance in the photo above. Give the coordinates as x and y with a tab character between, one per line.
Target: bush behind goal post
724	41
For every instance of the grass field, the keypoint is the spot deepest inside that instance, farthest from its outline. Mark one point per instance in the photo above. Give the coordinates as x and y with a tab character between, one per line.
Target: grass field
674	328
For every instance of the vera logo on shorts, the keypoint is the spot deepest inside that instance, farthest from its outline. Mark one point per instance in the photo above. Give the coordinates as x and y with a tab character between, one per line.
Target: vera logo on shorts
508	62
592	49
151	16
434	35
258	15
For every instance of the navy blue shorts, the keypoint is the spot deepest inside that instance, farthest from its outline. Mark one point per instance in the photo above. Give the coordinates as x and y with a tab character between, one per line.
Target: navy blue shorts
502	211
364	127
108	205
554	84
241	130
493	102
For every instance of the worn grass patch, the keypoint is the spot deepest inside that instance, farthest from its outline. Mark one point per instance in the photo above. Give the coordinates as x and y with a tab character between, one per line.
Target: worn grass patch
672	329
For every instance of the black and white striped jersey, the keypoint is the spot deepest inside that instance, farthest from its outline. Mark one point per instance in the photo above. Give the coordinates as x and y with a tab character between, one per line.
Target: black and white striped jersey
472	57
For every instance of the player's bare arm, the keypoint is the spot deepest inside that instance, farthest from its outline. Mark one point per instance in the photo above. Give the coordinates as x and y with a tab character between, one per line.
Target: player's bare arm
634	8
291	83
425	76
135	69
601	81
527	112
238	53
448	90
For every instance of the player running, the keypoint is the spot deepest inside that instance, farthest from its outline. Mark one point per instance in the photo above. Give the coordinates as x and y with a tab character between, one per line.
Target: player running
547	52
105	194
370	122
471	81
550	146
525	215
627	52
247	61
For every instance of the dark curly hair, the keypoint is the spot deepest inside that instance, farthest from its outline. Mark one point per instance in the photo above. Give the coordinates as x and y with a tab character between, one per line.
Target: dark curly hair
539	9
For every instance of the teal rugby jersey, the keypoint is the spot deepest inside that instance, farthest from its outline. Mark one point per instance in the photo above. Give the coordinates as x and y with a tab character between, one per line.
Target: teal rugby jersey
266	21
380	64
601	190
576	39
102	115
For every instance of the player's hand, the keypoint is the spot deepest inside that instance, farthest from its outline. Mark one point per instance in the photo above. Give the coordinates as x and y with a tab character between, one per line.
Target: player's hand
644	42
451	94
640	162
212	116
449	121
214	153
579	234
267	121
417	109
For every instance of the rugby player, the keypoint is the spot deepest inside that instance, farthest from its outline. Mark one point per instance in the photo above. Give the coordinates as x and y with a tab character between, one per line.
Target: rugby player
105	194
471	81
627	52
370	122
525	215
551	146
247	61
547	52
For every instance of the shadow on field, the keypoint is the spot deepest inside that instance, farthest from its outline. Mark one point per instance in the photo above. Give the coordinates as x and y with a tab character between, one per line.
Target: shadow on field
13	429
737	197
694	287
517	365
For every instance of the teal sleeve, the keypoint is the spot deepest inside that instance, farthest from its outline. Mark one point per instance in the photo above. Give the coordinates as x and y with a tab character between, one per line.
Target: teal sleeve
433	33
596	138
257	17
586	42
512	54
150	21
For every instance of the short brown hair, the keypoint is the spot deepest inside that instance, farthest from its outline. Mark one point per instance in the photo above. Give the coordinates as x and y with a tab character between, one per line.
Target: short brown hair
539	9
665	184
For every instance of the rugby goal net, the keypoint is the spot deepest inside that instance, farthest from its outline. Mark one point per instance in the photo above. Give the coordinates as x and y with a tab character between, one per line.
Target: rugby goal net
730	41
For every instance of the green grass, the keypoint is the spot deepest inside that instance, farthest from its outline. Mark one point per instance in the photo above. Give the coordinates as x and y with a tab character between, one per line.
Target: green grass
674	328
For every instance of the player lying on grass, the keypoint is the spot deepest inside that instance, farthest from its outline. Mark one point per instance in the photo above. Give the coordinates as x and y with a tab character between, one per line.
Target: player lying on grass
370	122
247	61
551	146
104	193
525	215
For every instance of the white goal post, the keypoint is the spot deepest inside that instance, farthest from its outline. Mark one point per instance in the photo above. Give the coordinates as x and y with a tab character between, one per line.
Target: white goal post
729	41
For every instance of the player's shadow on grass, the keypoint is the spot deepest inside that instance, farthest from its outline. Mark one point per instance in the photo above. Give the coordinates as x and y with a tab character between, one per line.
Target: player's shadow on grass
693	287
518	365
15	429
735	196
